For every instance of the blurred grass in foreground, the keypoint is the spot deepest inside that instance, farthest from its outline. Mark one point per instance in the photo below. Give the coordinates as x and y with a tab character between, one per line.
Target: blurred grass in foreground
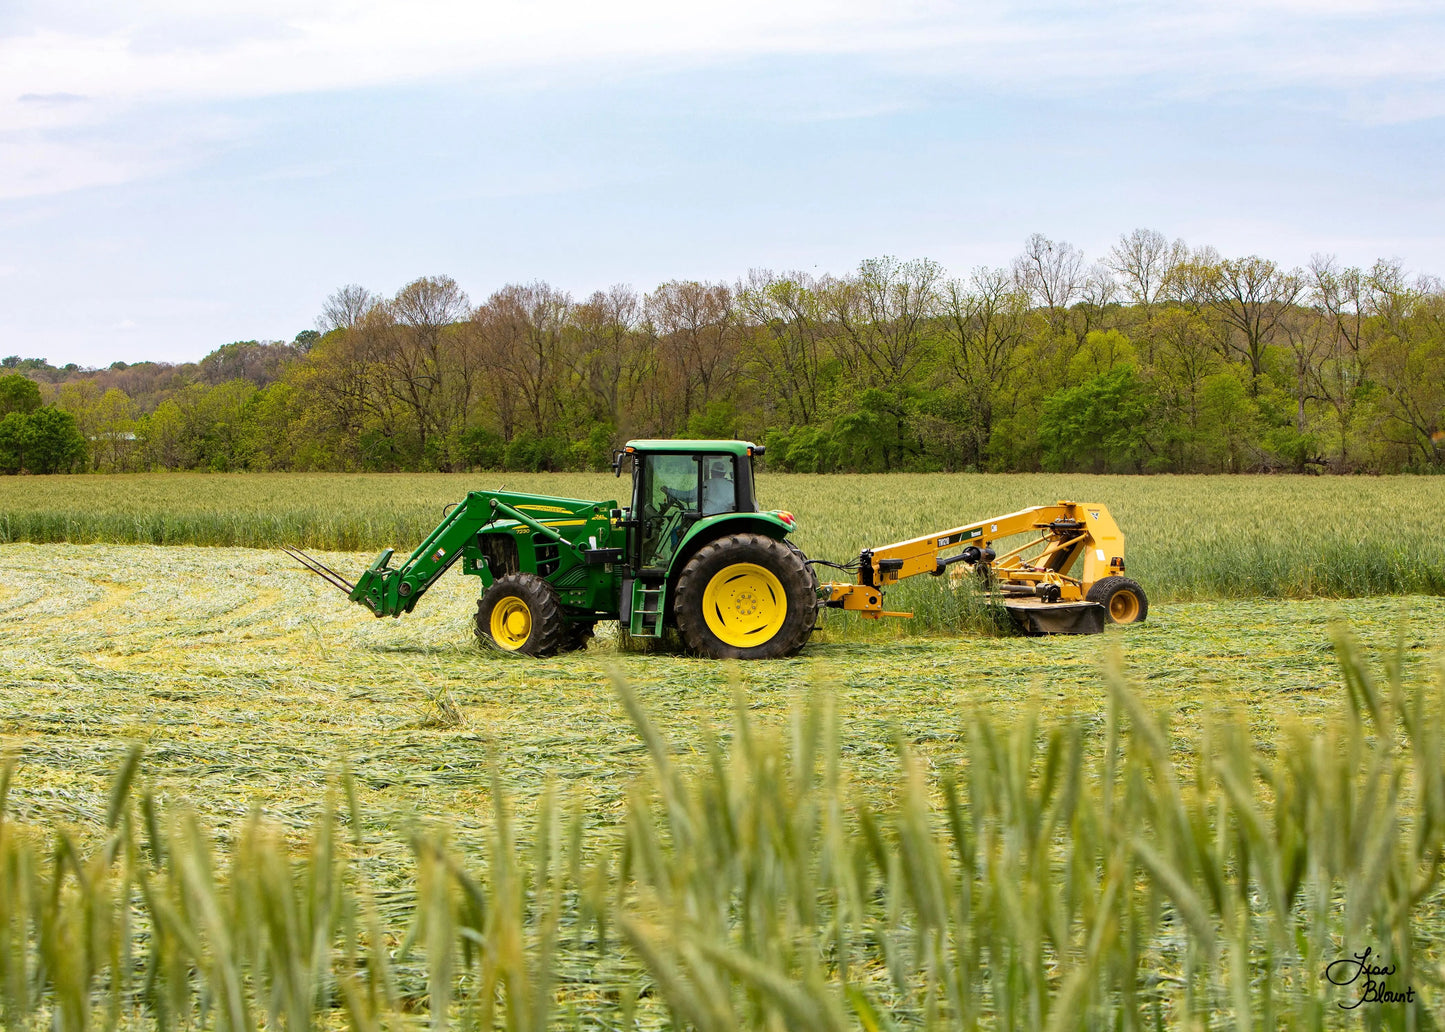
1048	881
1189	537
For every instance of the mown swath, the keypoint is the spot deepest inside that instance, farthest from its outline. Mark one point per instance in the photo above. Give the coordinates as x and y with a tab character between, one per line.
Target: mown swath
1050	879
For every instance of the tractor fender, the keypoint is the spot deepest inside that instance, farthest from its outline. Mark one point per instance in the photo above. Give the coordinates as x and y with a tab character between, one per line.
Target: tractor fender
710	529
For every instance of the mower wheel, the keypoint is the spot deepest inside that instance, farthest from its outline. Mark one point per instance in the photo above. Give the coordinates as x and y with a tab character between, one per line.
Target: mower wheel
520	613
1123	600
746	596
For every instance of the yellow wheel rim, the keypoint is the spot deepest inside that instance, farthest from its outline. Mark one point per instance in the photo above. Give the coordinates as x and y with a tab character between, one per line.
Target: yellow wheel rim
511	623
1124	606
744	604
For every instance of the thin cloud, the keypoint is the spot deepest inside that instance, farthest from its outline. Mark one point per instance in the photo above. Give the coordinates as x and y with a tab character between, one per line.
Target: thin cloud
277	49
51	98
83	65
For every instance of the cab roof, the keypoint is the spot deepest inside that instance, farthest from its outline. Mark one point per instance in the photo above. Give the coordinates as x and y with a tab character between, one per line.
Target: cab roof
741	449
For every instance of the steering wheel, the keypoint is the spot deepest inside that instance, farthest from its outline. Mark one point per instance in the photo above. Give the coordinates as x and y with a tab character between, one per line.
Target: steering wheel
673	499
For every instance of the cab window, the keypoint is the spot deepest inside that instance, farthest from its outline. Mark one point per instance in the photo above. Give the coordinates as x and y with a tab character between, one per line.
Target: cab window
719	484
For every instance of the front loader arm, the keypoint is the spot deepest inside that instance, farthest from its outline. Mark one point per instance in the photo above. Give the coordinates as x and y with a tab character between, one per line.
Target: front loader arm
391	591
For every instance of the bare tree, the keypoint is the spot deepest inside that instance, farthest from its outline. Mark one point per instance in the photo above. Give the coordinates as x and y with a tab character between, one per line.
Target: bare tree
345	308
1145	261
1308	337
1250	295
1099	291
418	360
697	329
523	329
790	310
610	359
985	319
1052	274
1341	298
882	312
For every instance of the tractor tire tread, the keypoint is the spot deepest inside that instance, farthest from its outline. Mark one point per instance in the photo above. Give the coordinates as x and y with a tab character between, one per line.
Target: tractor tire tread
577	635
812	575
549	630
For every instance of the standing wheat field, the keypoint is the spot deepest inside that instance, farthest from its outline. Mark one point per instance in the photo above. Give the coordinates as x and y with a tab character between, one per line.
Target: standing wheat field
1189	537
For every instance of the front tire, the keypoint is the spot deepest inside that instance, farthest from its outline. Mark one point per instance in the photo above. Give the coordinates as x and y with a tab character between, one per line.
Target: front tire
746	596
520	613
1123	600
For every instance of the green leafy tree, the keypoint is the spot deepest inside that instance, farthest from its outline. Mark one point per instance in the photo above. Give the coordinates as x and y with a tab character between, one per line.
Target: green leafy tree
1229	423
54	442
46	440
12	442
114	440
267	421
18	394
166	438
481	448
1099	426
810	451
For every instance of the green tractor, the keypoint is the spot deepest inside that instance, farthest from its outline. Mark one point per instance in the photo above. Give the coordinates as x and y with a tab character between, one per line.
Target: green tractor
692	551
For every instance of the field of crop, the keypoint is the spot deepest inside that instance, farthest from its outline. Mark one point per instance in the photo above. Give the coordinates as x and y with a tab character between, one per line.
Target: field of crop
232	798
1188	537
341	820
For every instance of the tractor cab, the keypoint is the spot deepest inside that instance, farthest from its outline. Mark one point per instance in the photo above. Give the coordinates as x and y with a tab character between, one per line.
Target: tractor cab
677	484
700	556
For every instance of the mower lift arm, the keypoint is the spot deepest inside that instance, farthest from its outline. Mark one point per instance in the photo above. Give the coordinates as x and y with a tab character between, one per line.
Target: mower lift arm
1065	530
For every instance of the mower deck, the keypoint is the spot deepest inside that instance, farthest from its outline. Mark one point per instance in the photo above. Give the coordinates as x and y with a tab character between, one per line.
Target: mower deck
1036	616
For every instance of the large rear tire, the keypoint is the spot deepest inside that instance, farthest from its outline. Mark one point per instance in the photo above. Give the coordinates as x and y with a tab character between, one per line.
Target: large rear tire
1123	600
520	613
746	596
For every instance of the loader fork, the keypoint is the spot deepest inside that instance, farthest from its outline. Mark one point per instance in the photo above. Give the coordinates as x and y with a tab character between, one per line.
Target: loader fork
321	570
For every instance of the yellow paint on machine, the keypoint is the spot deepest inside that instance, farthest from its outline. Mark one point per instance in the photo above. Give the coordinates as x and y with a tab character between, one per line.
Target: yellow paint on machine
1063	532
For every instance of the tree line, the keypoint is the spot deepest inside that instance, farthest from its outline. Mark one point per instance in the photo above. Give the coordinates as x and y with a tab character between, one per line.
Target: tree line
1161	357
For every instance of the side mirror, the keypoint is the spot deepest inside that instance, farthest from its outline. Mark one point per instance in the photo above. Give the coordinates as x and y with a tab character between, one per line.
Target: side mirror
617	463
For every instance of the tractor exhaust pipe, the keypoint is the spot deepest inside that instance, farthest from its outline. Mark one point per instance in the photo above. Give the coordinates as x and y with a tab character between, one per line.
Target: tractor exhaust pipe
321	570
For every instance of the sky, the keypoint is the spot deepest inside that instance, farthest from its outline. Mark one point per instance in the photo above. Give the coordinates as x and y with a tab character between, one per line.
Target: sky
173	178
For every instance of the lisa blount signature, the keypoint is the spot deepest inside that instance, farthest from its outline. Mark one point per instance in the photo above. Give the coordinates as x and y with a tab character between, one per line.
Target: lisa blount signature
1357	966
